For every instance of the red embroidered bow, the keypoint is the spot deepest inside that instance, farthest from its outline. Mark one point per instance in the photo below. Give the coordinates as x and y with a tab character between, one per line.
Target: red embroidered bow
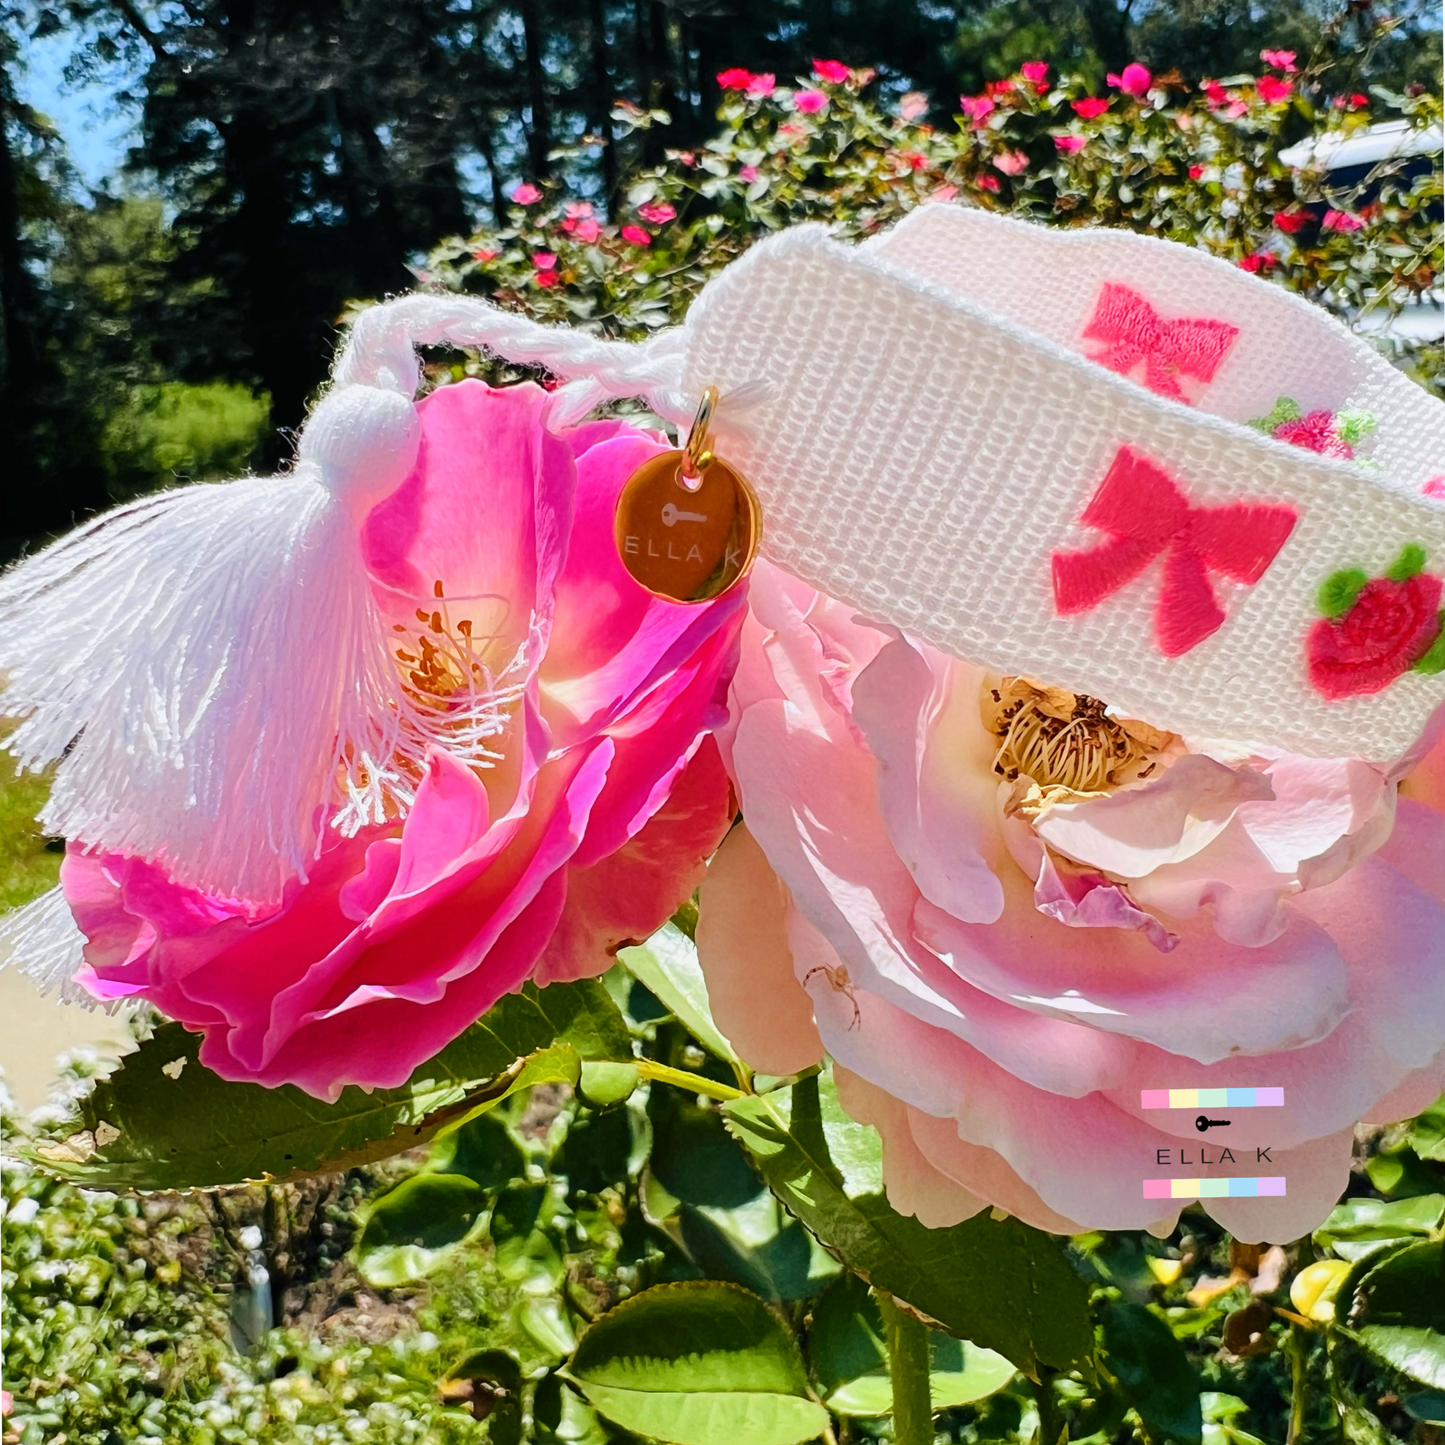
1133	332
1147	514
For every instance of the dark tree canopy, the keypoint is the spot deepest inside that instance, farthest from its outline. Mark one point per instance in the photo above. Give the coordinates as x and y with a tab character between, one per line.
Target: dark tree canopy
306	152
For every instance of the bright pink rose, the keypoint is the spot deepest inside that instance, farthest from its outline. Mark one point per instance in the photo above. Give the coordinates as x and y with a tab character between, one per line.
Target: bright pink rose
748	174
1215	93
977	108
544	260
735	78
1135	80
1389	627
586	231
987	182
1272	90
1070	145
585	827
527	194
659	213
810	102
833	72
1090	107
637	235
1011	163
1342	221
1035	71
1000	961
1256	261
1291	222
762	84
1280	59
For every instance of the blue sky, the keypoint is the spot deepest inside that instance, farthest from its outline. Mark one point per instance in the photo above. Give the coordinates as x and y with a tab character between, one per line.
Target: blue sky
96	130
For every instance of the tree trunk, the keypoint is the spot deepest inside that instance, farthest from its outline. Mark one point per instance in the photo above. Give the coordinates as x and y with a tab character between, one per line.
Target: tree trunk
539	132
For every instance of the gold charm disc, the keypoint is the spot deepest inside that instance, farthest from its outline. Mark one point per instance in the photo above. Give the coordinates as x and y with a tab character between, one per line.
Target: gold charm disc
688	525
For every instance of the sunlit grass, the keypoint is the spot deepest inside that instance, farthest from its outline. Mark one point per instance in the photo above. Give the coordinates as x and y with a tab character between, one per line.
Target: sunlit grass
27	866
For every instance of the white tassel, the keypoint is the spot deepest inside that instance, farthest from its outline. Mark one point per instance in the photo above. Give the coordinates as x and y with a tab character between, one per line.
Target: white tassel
43	940
205	665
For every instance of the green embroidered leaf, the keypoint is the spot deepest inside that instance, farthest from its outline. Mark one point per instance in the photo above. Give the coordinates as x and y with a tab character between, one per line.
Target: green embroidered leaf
163	1120
1410	563
1353	426
1338	592
1433	661
1285	409
997	1282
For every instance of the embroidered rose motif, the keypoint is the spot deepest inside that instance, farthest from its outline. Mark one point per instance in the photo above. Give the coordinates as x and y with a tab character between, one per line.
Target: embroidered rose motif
1330	433
1377	629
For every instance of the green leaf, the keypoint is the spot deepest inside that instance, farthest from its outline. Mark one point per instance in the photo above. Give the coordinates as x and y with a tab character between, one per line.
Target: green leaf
1361	1227
483	1150
1398	1312
1338	592
997	1282
1433	661
846	1349
698	1364
1153	1371
667	964
409	1227
1410	563
1427	1133
164	1121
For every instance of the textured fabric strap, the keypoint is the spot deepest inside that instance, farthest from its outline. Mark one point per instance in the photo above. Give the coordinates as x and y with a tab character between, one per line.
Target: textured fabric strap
943	409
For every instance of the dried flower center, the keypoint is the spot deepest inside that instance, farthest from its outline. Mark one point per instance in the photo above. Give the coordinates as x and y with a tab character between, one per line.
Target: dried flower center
1061	739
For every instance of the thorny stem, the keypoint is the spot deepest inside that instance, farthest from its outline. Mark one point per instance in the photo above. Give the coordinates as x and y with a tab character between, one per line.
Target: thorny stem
1051	1425
907	1341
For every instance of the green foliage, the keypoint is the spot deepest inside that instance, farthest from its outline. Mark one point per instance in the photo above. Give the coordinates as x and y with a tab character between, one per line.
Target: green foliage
699	1364
1153	1370
28	863
163	1121
1399	1311
174	432
996	1282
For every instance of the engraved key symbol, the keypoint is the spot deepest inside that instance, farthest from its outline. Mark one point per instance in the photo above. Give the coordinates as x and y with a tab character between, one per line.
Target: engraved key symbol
671	516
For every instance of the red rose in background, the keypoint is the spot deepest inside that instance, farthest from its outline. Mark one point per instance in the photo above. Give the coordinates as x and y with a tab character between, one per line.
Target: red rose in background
1386	630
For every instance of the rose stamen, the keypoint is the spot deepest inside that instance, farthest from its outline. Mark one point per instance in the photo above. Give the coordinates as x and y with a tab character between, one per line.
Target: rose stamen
1061	739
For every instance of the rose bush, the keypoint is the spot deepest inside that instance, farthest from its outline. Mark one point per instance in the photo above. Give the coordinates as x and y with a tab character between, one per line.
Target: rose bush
586	827
1006	912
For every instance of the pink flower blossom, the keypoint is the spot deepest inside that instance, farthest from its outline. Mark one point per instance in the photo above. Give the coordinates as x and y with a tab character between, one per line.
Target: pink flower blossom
943	193
1435	487
1034	70
977	108
544	260
546	279
1256	261
1272	90
810	102
834	72
576	211
1011	163
1215	93
585	231
1351	102
912	105
1342	221
1280	59
1090	107
587	830
637	235
984	955
483	254
1135	80
1196	172
659	213
1070	144
1291	221
748	174
734	79
527	194
987	182
762	84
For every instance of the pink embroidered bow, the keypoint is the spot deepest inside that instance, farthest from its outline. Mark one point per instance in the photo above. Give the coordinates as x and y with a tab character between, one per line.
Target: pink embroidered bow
1147	514
1133	332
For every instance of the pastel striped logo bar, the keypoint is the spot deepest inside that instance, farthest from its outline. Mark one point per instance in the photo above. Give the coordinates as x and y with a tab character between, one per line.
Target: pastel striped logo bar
1211	1098
1214	1188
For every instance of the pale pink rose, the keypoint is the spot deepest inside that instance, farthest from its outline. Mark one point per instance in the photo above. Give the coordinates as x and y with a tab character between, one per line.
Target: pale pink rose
1281	60
1011	163
999	970
912	105
586	829
1134	80
748	174
943	193
527	194
810	102
1070	145
762	84
659	213
586	231
1342	221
